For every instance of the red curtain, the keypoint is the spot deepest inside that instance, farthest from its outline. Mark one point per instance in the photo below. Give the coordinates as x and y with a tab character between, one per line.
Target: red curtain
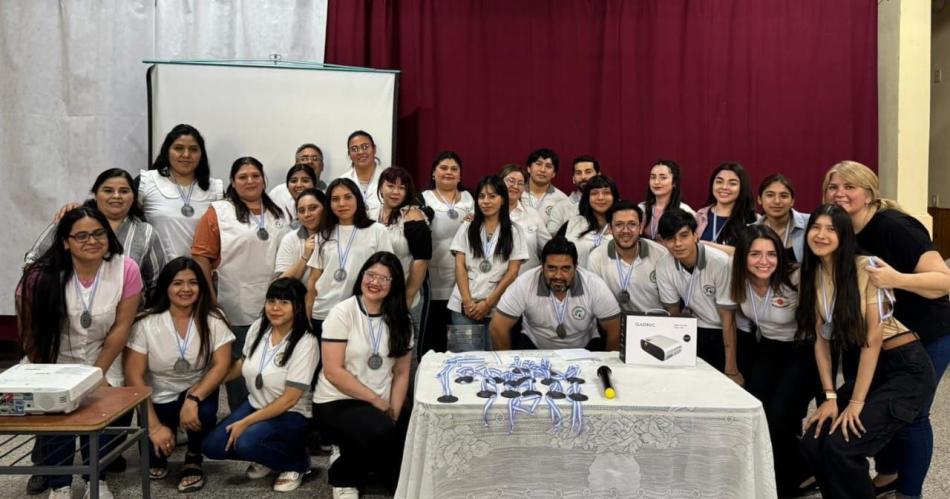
780	86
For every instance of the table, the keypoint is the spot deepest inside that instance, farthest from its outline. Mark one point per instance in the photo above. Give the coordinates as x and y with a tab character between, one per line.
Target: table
670	432
92	419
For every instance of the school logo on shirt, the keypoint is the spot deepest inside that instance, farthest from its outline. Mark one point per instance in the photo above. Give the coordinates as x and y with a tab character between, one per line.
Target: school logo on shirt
578	313
547	211
781	302
709	290
653	277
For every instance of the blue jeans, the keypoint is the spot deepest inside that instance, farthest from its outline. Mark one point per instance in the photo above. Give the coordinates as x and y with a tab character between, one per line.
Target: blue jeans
469	344
60	450
169	415
909	453
279	443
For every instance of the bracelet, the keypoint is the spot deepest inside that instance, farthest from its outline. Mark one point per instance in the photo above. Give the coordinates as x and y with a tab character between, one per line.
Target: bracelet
733	373
830	395
193	397
858	402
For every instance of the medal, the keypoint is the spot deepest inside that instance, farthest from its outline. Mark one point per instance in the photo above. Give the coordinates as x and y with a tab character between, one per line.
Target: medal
262	225
450	207
559	310
624	296
561	331
259	381
826	330
623	279
339	275
485	266
487	245
343	254
267	355
375	361
85	320
182	365
453	214
295	224
262	234
187	210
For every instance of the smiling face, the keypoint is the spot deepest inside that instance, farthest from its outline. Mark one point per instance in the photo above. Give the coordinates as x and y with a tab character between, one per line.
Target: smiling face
362	151
184	155
583	172
114	198
312	157
298	183
514	181
249	183
183	291
559	271
822	237
683	245
393	193
541	171
88	240
625	228
776	200
601	199
279	312
377	280
661	181
447	174
343	204
762	259
309	211
725	187
847	195
489	201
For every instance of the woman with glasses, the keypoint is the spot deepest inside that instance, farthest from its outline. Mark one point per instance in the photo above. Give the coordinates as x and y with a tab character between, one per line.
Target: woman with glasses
75	305
115	196
533	227
360	398
300	177
590	229
177	189
364	170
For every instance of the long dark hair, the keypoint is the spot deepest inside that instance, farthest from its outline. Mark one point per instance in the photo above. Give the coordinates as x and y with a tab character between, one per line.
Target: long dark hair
740	267
395	311
675	196
203	307
329	220
584	208
41	308
292	290
505	238
162	164
135	211
743	211
240	208
849	326
394	175
301	167
442	156
321	198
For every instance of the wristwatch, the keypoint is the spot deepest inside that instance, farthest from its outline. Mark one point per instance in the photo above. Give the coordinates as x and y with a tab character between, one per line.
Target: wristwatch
194	397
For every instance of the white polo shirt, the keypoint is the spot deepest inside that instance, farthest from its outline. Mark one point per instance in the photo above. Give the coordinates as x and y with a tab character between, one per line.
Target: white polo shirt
588	300
563	211
297	371
545	203
347	322
710	290
443	227
155	336
327	258
535	232
641	279
587	242
481	284
774	319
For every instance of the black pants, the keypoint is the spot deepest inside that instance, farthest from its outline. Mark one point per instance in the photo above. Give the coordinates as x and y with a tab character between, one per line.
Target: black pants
169	415
437	323
903	383
745	353
783	375
709	347
369	441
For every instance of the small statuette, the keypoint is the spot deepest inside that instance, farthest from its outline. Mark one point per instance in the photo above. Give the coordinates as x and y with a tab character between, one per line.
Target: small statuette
485	266
339	275
259	381
464	379
577	397
511	394
531	393
579	381
448	399
555	395
561	331
85	320
375	361
485	394
188	210
182	365
262	234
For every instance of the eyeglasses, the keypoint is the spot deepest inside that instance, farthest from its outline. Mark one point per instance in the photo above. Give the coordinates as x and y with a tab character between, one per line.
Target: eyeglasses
378	278
310	158
629	226
512	182
82	237
361	147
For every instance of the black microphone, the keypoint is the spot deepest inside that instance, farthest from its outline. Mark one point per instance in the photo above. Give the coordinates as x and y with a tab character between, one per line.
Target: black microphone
604	373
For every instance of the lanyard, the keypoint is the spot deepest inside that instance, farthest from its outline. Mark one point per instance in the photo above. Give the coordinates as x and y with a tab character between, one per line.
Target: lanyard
599	238
182	343
344	254
560	308
375	334
715	221
488	245
624	279
87	307
185	198
824	294
269	353
654	221
448	206
755	312
261	220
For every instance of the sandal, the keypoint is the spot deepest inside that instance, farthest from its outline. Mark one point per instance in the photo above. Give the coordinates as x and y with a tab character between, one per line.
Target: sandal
189	472
158	472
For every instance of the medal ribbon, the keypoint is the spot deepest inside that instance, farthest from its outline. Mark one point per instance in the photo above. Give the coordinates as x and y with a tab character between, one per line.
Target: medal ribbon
715	221
185	199
344	254
599	238
87	308
624	279
261	220
375	334
654	221
824	294
269	353
448	206
487	245
182	344
560	308
755	312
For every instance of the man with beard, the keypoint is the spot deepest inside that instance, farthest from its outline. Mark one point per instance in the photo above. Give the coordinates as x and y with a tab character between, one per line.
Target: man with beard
540	194
628	263
561	304
585	168
694	280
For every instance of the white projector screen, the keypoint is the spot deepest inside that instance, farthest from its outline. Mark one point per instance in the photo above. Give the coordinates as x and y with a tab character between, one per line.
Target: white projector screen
267	110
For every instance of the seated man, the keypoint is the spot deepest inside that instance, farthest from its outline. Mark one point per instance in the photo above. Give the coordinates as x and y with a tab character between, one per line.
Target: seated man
561	303
628	263
694	280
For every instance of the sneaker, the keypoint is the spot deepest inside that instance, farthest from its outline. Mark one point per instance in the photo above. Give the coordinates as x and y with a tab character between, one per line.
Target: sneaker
104	492
288	480
62	493
255	471
37	484
334	455
346	493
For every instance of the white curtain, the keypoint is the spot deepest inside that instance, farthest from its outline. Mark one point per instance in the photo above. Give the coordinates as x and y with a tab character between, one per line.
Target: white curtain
73	95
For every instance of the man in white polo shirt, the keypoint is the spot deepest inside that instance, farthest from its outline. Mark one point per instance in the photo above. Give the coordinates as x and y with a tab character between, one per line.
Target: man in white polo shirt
584	168
540	193
694	280
561	305
628	263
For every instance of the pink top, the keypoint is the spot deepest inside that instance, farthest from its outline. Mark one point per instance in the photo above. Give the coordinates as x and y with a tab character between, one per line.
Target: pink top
131	285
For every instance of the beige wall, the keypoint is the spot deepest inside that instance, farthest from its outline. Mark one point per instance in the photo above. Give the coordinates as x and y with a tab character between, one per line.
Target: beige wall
904	103
940	108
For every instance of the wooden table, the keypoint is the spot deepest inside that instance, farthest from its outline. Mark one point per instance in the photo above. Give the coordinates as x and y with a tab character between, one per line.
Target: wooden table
93	419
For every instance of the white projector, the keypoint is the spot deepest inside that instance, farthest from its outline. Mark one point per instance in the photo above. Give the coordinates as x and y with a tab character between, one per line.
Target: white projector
45	388
661	347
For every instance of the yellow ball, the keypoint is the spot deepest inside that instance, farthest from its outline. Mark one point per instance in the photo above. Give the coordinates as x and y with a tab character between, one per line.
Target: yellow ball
610	393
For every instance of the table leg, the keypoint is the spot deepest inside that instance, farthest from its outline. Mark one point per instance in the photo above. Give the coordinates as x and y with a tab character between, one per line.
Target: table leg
144	457
94	465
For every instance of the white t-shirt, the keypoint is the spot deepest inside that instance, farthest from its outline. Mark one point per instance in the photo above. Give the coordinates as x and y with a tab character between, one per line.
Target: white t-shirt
162	202
297	372
284	200
156	337
481	284
545	203
585	243
775	320
587	301
444	228
327	258
641	283
290	251
710	290
347	322
536	235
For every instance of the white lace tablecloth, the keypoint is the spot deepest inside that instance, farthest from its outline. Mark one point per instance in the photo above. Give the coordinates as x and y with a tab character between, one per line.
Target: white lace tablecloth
670	432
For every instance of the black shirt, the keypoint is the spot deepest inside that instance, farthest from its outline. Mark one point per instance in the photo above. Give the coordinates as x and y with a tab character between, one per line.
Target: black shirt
900	240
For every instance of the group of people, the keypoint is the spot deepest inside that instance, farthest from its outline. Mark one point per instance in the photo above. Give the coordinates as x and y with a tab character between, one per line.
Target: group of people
312	302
